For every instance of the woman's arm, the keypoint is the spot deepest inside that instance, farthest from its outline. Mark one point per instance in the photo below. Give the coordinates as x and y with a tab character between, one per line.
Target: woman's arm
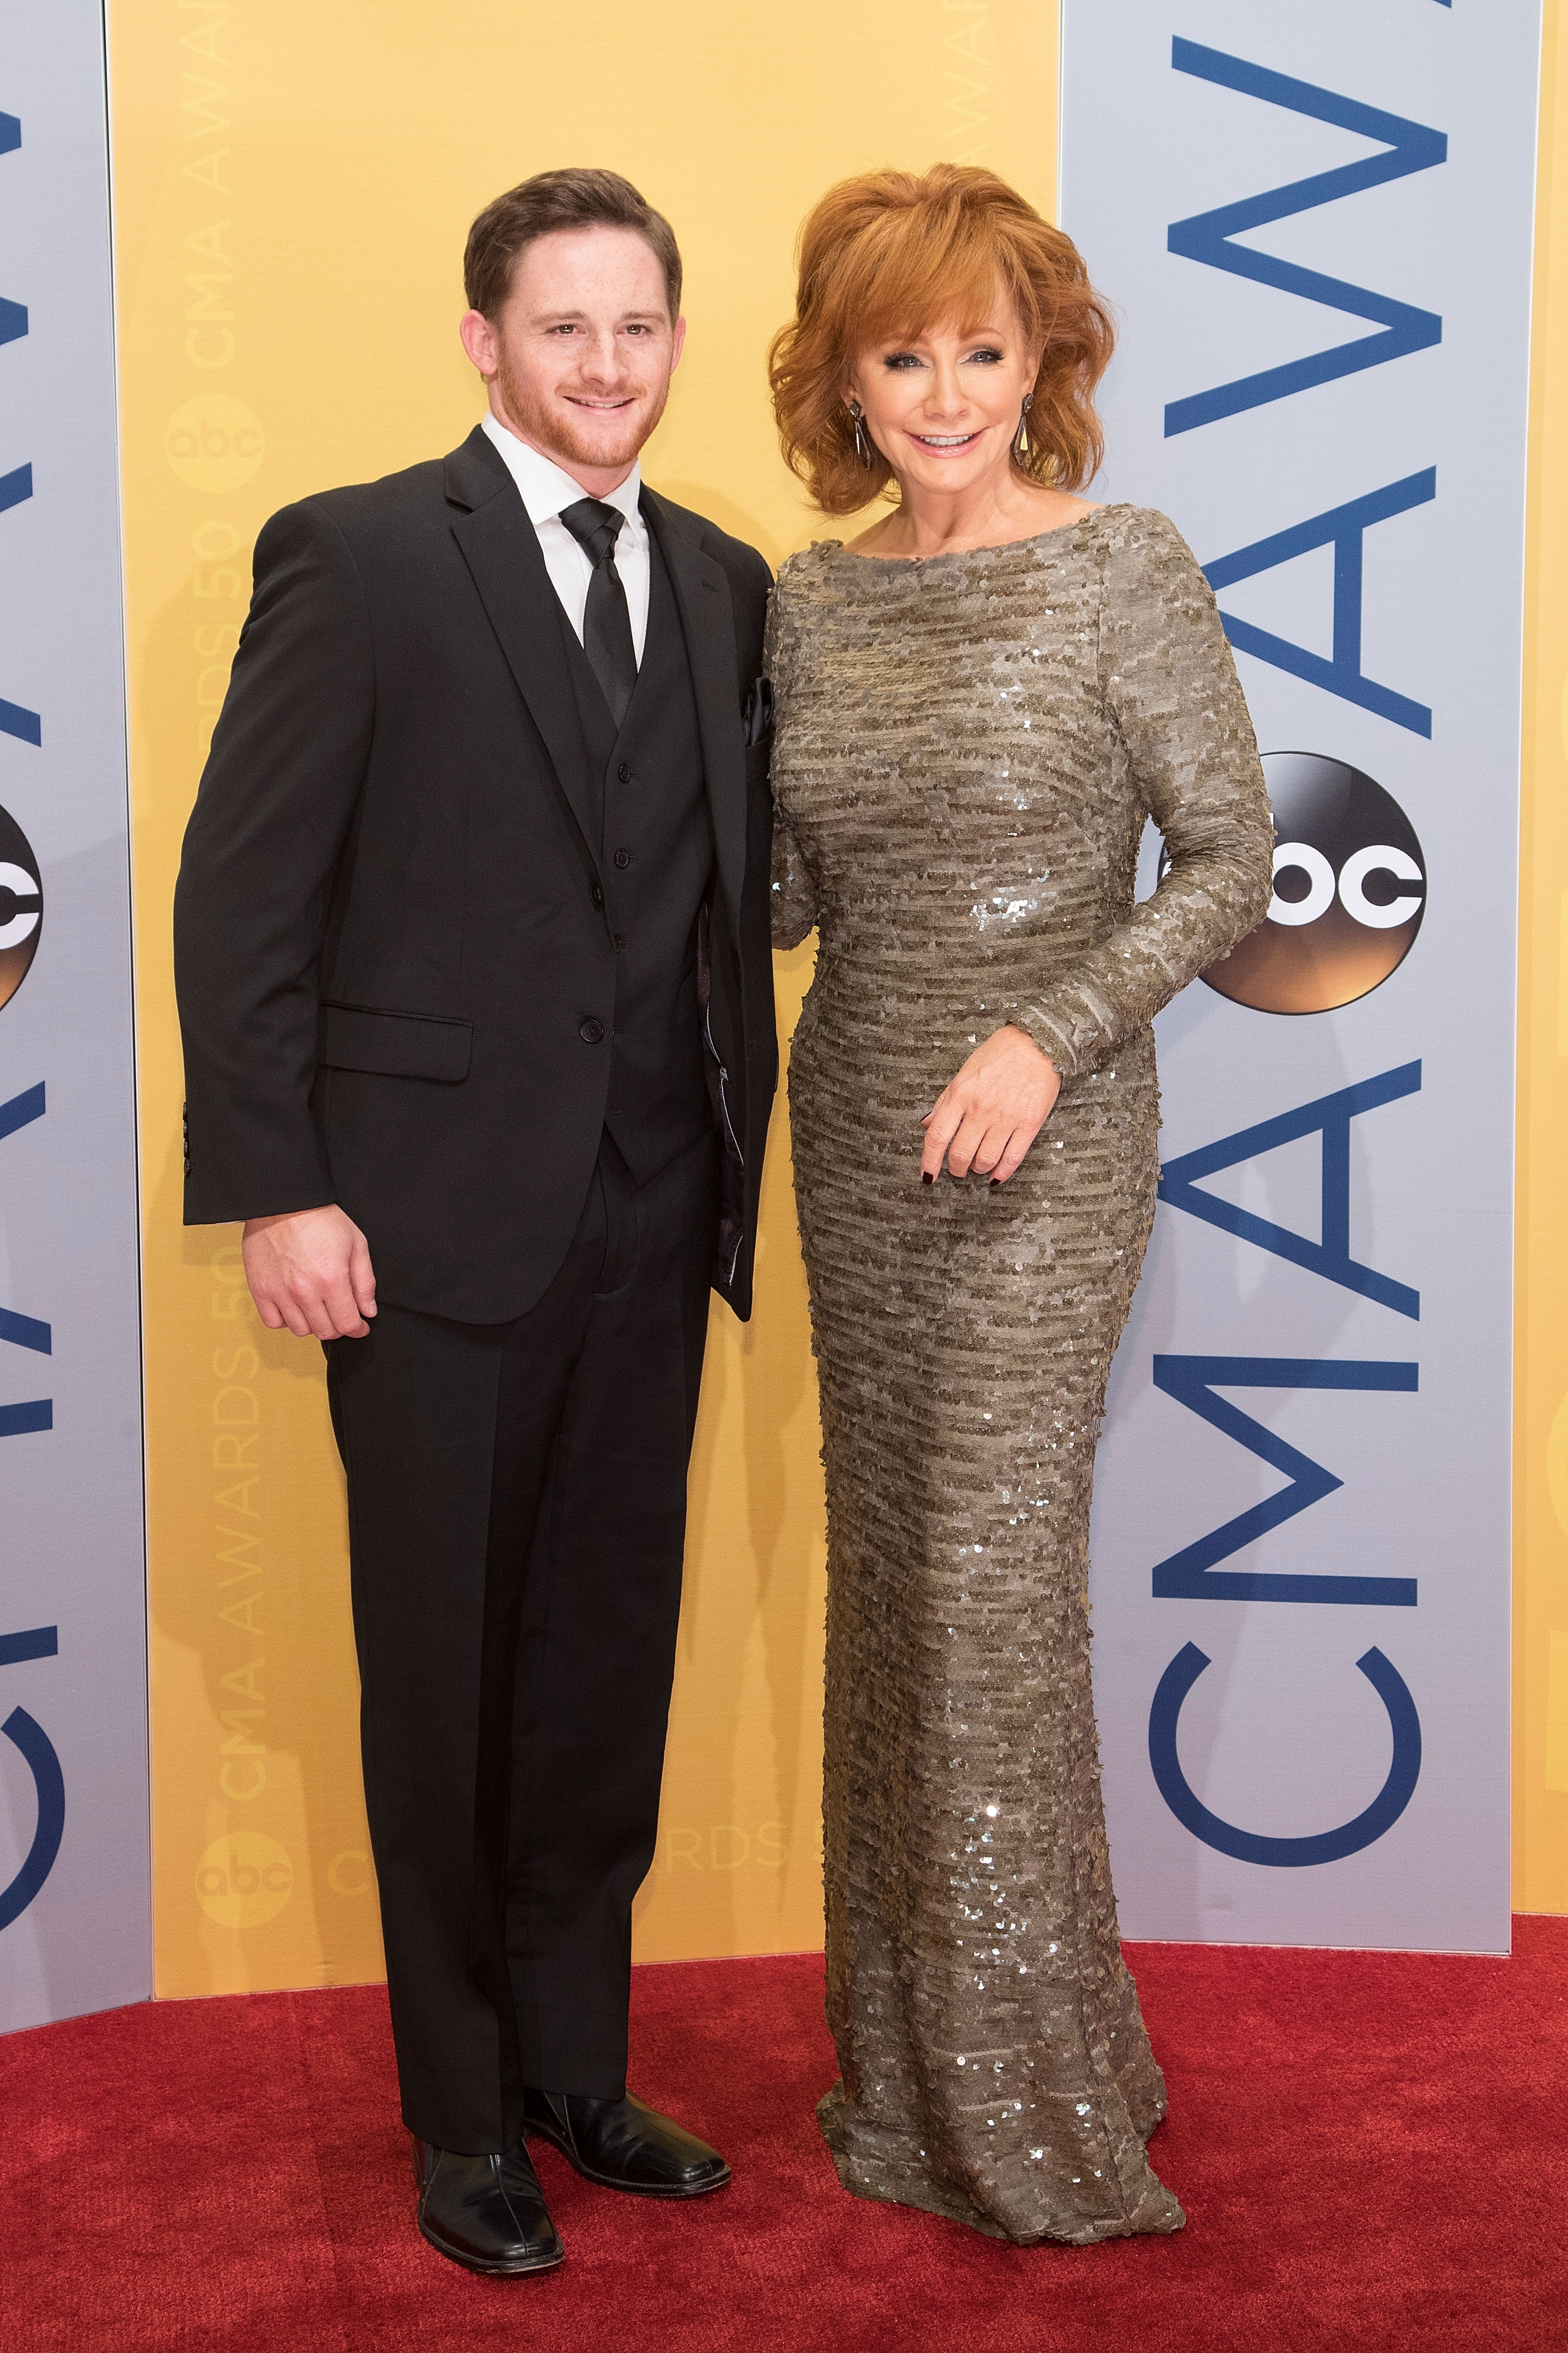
792	896
1169	682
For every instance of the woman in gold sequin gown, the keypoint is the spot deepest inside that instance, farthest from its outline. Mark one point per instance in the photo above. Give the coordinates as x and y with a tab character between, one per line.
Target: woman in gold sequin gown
979	705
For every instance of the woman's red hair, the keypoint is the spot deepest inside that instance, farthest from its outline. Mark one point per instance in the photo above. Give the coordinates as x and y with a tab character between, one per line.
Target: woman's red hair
888	255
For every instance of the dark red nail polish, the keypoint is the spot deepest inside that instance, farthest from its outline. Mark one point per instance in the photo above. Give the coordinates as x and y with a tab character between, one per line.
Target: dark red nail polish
995	1184
926	1176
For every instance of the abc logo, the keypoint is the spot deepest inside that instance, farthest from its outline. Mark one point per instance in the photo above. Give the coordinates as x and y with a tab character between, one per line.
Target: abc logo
215	442
1350	888
243	1880
21	907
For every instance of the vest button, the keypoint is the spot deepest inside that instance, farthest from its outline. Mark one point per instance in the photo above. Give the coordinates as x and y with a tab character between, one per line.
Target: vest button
591	1031
597	896
624	773
623	858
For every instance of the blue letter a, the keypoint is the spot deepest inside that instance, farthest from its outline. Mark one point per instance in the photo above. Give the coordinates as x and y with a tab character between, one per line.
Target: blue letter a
1341	528
1331	1118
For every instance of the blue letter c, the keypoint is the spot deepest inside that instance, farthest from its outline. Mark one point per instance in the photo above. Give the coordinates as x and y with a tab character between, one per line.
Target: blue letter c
1284	1854
39	1749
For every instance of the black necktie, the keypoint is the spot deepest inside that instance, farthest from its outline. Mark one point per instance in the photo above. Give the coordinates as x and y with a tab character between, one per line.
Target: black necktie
607	623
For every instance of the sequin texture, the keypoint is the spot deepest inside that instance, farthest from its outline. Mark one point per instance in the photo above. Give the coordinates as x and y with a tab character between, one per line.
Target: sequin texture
967	749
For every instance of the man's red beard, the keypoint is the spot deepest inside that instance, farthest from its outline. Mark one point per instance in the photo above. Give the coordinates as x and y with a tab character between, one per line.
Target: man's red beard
549	425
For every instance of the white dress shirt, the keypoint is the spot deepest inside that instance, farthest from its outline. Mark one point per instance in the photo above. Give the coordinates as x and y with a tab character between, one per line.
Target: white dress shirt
545	489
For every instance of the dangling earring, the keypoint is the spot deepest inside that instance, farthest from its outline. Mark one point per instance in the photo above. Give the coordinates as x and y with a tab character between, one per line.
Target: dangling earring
862	446
1021	438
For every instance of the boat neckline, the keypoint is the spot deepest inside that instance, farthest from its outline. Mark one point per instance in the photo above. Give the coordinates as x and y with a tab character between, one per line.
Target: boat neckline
960	554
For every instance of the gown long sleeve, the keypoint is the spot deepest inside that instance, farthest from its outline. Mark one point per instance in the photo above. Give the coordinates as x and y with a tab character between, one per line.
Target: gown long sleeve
967	753
1170	687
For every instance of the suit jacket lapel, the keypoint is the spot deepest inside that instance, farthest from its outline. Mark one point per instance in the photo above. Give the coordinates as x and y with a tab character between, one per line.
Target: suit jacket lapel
708	624
501	548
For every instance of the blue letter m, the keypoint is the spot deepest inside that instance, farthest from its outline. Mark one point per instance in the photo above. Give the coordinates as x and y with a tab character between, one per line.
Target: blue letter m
1190	1575
1208	236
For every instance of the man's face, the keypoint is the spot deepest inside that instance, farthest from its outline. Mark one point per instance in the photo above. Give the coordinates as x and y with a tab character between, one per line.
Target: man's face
579	359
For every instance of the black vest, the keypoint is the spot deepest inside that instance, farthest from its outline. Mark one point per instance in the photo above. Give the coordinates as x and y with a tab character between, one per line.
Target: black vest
656	855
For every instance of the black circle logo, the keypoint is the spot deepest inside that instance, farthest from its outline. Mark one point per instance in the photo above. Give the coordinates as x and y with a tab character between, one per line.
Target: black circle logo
21	907
1350	890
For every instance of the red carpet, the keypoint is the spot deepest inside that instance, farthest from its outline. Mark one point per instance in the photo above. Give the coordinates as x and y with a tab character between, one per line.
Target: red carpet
1373	2151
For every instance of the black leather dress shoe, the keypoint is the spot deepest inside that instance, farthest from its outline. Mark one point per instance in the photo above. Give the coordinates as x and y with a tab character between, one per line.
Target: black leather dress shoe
487	2212
622	2145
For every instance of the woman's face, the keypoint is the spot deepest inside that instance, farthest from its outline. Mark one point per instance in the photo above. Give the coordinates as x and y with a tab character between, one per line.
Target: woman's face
943	408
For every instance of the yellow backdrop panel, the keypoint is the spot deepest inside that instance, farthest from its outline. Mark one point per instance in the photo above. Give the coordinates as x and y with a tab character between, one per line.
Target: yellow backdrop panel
292	187
1540	1705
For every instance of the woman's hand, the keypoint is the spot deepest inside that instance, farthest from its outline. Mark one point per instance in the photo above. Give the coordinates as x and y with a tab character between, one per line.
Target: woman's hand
992	1112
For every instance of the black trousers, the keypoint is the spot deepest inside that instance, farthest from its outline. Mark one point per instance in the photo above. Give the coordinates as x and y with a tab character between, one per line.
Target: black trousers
517	1518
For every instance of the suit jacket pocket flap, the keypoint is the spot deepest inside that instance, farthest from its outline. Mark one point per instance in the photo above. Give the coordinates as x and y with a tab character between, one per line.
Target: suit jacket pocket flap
395	1045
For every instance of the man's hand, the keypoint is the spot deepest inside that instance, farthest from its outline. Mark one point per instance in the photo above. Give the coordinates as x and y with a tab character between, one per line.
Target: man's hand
310	1270
993	1111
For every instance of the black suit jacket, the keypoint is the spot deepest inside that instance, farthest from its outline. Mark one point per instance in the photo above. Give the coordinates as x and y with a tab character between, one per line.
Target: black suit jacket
395	972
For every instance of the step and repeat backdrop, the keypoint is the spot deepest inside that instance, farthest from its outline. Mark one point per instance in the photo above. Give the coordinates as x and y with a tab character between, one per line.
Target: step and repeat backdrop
1316	222
73	1690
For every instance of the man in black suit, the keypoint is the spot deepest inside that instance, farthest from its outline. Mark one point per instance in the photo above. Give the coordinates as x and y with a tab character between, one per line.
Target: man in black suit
477	997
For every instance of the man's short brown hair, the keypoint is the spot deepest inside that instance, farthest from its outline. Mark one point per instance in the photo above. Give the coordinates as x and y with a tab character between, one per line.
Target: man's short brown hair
554	200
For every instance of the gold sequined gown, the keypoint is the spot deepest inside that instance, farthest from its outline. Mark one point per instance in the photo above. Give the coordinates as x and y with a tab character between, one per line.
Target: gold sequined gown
967	748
